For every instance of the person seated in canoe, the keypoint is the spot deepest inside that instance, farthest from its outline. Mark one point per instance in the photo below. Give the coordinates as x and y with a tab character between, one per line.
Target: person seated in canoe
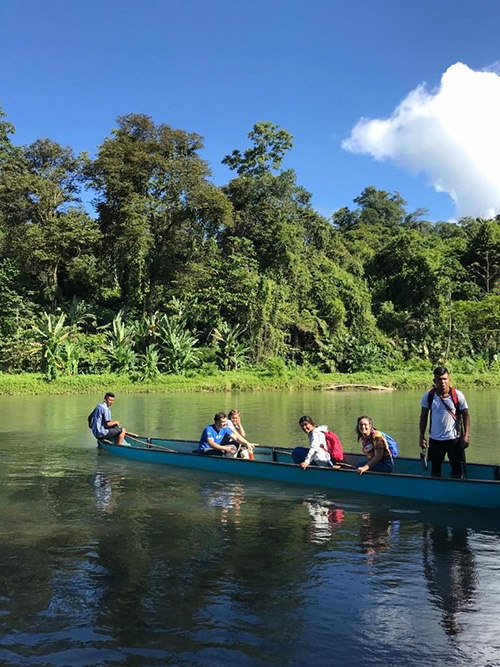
318	452
234	421
101	423
375	448
216	438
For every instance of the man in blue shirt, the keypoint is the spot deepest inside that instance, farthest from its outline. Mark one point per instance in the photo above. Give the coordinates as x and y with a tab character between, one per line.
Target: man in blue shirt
215	438
101	424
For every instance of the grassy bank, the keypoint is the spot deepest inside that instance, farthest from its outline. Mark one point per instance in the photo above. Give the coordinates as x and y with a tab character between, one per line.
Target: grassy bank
35	384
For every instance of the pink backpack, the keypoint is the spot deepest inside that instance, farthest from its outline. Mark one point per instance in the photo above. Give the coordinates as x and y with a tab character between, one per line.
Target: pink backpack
334	446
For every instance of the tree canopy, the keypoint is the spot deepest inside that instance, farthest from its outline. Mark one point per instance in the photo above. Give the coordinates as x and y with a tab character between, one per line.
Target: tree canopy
170	271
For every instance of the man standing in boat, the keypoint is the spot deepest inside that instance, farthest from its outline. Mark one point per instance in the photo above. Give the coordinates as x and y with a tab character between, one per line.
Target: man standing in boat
449	424
101	424
215	438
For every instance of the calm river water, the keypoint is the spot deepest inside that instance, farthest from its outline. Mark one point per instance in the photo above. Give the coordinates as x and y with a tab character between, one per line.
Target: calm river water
108	562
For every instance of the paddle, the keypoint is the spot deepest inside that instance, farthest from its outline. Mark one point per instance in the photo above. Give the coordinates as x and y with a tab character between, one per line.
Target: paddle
343	464
423	460
134	436
464	463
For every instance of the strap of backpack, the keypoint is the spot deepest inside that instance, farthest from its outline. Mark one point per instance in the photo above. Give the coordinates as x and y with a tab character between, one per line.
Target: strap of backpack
456	416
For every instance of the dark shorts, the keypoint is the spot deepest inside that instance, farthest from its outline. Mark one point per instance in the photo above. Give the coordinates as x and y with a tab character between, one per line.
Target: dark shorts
438	449
114	431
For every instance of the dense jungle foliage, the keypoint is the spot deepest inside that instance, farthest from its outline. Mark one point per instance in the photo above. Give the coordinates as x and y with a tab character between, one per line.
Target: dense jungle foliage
173	273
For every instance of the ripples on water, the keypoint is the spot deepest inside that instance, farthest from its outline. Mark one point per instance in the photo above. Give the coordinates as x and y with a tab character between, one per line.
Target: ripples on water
107	562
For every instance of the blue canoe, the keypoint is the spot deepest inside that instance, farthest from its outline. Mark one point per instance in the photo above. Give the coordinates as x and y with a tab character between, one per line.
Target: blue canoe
480	489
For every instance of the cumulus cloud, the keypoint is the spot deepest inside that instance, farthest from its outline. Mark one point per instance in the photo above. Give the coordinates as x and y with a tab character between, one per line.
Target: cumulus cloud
451	134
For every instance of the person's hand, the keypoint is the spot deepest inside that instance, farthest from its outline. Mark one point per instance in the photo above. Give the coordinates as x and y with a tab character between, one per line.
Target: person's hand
465	442
304	465
231	449
423	443
363	469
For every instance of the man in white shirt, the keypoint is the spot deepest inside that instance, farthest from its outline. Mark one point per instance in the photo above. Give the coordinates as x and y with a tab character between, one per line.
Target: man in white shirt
449	424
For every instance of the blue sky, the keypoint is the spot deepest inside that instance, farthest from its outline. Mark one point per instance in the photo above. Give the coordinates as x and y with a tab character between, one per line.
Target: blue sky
216	68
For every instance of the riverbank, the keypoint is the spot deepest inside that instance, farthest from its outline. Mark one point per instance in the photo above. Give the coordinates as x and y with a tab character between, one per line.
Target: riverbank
35	384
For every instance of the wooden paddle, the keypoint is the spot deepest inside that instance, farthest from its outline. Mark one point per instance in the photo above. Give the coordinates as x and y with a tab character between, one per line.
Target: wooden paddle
343	464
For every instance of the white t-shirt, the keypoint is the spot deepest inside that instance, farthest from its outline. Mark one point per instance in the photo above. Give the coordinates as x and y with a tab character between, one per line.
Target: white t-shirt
318	451
443	425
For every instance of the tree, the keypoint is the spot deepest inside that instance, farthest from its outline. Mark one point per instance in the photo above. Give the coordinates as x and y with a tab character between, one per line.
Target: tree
43	228
155	205
270	143
482	257
7	149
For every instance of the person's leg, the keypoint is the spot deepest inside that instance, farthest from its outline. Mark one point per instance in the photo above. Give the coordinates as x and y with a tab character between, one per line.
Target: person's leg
436	454
116	434
299	454
386	465
213	452
455	457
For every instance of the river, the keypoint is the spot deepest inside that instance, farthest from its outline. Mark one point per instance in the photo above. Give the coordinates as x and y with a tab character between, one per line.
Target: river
109	562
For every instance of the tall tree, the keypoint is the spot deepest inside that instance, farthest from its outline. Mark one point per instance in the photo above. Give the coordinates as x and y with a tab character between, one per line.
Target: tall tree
155	204
45	229
270	143
482	257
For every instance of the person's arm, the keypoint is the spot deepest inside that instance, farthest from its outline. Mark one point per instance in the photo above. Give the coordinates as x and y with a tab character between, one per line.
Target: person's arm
106	418
224	448
239	438
465	437
314	447
378	455
238	426
424	412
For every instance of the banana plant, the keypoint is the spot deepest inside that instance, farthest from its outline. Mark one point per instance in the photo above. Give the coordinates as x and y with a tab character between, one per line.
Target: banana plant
231	352
52	333
178	346
120	348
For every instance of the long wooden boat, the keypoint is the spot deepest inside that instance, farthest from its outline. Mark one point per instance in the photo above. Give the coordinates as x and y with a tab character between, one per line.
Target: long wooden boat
480	489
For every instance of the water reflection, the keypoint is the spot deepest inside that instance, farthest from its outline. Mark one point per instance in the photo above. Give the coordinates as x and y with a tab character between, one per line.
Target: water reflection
104	561
227	497
325	518
450	571
377	534
105	488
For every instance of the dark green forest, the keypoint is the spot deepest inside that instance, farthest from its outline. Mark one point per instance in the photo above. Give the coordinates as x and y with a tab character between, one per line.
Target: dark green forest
170	273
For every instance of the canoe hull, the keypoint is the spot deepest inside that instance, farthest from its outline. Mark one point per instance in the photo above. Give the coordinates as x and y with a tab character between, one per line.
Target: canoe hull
482	493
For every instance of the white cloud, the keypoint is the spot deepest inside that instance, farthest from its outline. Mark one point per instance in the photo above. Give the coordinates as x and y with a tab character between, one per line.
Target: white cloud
451	134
